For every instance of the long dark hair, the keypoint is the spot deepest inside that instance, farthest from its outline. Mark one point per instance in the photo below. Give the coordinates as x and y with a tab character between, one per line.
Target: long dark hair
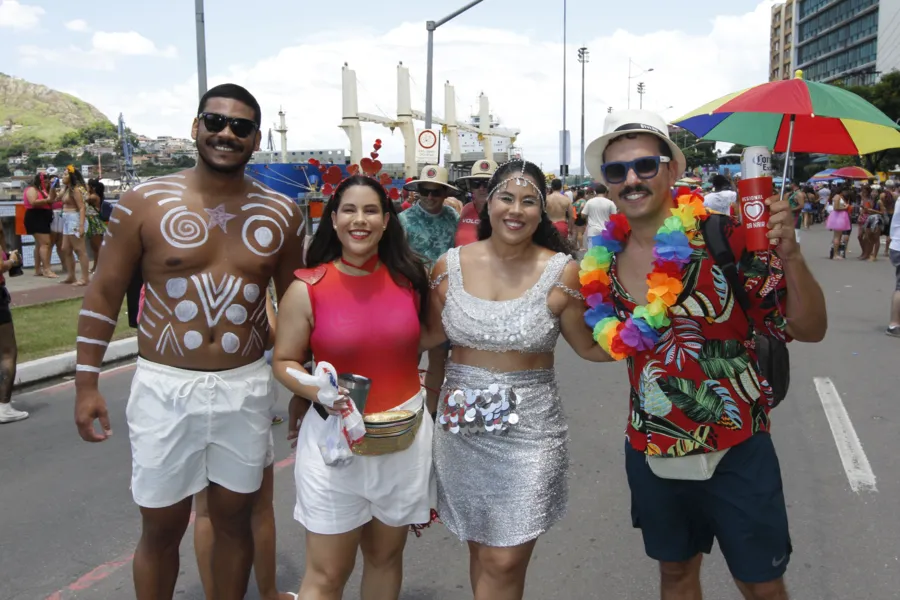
546	234
96	186
405	267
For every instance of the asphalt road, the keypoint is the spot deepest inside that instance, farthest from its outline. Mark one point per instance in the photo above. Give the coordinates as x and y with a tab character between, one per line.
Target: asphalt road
68	525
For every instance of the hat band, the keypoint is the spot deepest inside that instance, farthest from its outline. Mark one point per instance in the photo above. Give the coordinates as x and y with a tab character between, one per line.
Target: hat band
644	126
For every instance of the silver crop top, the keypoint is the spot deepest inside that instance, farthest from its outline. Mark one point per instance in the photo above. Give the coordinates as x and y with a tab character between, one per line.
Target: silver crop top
524	324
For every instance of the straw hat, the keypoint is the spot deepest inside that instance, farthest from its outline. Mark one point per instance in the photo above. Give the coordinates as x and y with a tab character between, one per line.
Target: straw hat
482	169
432	174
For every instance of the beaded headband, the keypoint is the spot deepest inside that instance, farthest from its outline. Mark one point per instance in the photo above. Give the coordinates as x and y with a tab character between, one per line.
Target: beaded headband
521	181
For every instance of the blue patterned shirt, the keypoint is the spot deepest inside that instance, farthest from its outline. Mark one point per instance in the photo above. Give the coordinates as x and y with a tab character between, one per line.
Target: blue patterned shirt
430	235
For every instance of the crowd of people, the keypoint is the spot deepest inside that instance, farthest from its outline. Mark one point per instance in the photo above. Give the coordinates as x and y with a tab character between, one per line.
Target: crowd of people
485	289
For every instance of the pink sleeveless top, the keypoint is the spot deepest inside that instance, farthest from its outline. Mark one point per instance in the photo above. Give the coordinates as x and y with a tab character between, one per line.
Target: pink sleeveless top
368	326
41	196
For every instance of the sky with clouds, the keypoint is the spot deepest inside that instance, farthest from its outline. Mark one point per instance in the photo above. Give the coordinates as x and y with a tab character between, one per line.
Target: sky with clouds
140	59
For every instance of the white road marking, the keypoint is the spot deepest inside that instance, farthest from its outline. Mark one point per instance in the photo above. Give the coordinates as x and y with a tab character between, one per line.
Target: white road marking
856	465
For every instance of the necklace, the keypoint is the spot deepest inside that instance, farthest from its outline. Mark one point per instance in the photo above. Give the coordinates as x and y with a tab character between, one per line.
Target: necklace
672	251
368	266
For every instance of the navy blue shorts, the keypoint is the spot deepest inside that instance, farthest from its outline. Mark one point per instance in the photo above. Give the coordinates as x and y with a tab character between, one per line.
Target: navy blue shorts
741	506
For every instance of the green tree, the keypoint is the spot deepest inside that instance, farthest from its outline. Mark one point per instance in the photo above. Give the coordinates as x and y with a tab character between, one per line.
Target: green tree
63	159
108	159
87	159
885	95
698	153
4	170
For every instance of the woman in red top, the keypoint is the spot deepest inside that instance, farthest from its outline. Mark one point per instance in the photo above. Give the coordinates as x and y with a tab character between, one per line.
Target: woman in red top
358	307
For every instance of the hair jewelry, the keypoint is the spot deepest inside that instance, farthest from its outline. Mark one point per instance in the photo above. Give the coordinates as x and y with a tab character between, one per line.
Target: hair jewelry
521	181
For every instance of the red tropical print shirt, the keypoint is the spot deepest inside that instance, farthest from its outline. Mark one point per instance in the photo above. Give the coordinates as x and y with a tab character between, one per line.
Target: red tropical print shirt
700	389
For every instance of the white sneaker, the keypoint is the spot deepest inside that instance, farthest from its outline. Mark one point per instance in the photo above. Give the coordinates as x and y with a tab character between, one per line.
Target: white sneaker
9	415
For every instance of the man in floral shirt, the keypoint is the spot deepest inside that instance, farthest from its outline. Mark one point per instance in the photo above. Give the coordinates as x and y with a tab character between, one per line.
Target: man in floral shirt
430	227
700	462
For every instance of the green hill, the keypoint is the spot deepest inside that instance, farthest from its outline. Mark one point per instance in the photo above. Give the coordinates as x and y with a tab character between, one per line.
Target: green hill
37	116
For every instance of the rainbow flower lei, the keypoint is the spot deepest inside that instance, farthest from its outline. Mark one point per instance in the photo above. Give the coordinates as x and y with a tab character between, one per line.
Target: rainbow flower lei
672	252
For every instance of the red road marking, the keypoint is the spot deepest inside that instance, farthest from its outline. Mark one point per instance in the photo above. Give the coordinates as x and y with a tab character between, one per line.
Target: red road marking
104	571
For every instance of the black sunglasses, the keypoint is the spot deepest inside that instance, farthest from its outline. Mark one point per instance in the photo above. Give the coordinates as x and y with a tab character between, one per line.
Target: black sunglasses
646	167
478	183
432	191
215	123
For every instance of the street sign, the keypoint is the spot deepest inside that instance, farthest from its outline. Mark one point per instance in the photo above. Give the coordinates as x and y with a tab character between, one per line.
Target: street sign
428	146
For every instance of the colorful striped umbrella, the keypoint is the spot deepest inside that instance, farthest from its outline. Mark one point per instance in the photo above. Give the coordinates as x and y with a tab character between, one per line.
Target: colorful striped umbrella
795	115
852	173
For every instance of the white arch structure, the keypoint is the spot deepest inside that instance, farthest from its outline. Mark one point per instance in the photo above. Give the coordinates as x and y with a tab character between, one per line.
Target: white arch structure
406	118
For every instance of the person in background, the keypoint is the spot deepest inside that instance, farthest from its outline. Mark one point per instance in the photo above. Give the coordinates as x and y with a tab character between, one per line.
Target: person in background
454	203
431	230
893	328
8	348
809	206
38	219
559	207
839	223
722	198
889	201
598	211
95	225
470	217
74	220
580	221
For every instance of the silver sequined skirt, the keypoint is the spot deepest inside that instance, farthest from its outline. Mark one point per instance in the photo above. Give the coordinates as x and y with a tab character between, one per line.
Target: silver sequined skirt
504	489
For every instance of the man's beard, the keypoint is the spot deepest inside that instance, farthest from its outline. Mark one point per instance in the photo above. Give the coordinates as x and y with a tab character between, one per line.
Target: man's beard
224	169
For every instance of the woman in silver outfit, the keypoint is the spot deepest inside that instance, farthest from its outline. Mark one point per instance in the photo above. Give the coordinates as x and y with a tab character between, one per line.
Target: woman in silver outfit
500	445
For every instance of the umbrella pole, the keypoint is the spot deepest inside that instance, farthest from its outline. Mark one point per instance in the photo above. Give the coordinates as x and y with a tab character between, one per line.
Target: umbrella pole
787	156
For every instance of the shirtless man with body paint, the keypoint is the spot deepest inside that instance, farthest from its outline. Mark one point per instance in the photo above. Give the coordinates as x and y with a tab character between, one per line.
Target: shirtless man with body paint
207	240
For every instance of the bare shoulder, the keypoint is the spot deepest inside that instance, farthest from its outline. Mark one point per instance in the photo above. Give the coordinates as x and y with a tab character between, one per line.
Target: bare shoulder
570	276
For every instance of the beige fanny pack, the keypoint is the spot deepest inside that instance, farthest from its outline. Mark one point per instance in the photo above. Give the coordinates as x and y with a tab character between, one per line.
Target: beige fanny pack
697	467
391	431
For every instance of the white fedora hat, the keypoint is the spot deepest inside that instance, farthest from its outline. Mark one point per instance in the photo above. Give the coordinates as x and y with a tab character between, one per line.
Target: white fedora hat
623	122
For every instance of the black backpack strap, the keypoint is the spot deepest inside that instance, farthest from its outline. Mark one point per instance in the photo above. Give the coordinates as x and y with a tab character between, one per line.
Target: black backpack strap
713	229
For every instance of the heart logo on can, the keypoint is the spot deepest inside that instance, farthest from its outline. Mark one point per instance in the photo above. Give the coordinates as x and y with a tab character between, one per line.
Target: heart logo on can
753	210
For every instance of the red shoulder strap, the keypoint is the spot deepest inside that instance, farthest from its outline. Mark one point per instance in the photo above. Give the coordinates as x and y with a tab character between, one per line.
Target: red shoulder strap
311	276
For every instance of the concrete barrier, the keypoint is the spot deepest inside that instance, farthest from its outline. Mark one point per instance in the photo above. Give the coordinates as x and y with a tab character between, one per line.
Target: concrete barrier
35	371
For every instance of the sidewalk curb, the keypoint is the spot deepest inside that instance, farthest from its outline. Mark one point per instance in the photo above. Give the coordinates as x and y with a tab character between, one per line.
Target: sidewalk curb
50	367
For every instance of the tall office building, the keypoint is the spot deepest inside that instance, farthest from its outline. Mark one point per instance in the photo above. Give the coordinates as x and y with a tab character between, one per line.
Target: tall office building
888	37
838	40
781	51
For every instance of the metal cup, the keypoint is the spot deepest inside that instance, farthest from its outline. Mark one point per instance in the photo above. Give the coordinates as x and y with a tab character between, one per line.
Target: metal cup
358	388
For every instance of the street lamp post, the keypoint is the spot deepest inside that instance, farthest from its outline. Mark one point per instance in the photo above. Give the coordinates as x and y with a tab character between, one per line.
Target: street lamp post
201	47
583	57
641	88
564	136
630	77
431	26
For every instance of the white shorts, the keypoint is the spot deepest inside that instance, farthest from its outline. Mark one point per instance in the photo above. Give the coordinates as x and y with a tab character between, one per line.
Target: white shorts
56	225
189	428
397	489
72	223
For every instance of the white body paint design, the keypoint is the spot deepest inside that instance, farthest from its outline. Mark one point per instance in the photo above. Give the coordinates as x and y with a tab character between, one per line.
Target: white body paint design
172	176
149	306
170	192
215	298
193	340
183	229
167	200
86	340
186	311
158	299
259	315
267	207
154	182
218	217
262	241
271	192
255	341
251	292
98	316
230	343
124	209
236	313
113	220
176	287
168	339
149	321
145	332
86	369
